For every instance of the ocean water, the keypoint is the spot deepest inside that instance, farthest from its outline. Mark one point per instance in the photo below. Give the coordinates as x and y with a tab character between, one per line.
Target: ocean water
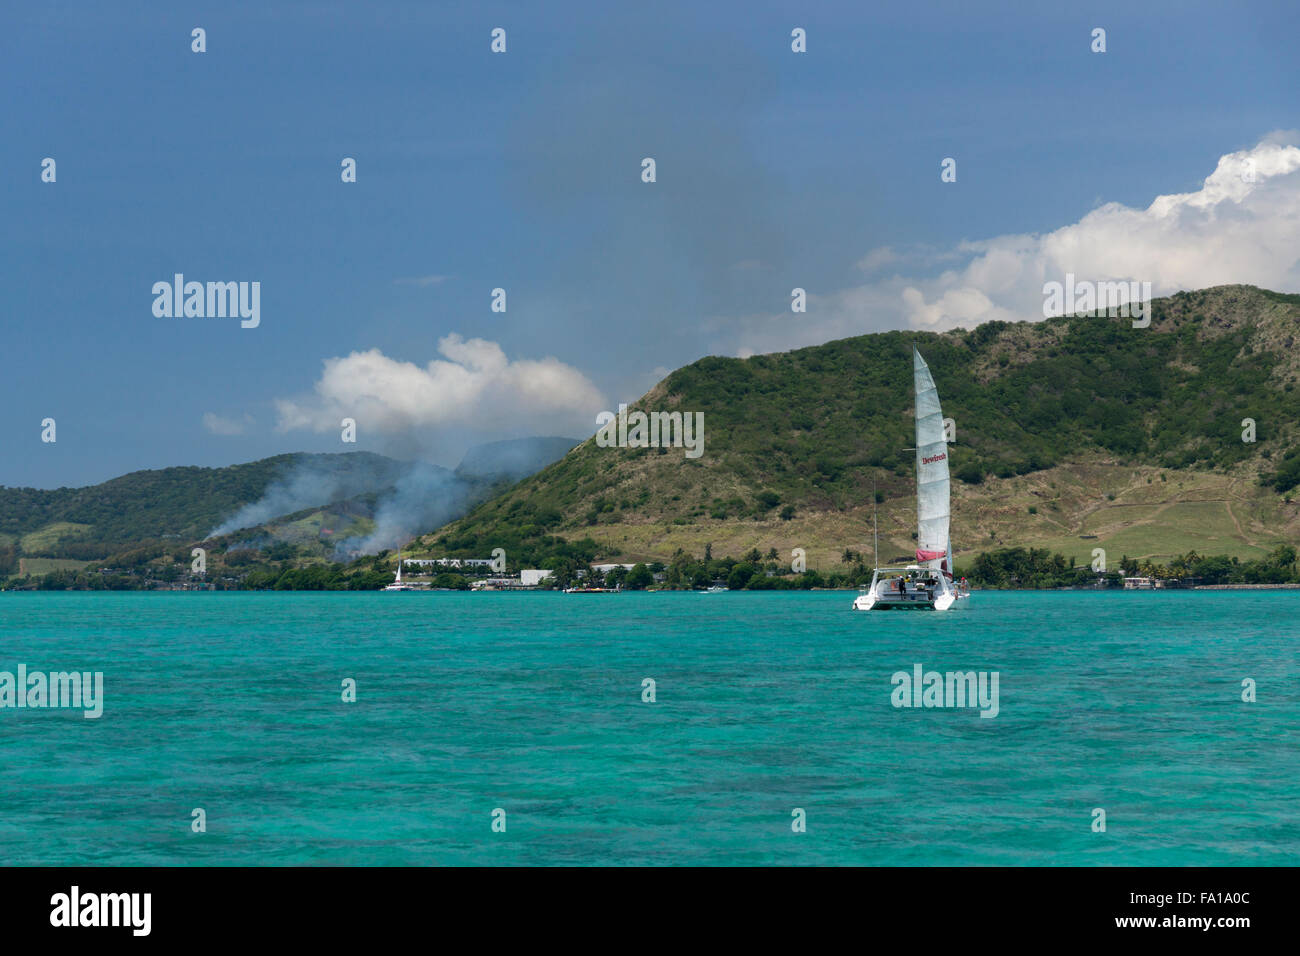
765	702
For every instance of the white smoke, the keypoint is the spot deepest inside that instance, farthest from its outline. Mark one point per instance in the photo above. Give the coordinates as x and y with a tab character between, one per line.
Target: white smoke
313	481
412	497
424	498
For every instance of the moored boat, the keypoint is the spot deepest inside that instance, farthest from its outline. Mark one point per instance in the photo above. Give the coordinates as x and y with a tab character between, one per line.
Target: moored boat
398	584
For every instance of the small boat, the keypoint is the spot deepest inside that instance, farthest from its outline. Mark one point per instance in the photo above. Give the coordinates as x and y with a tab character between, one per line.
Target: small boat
928	584
577	590
398	584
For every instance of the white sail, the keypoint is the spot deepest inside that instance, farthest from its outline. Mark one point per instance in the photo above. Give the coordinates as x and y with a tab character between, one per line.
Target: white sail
932	546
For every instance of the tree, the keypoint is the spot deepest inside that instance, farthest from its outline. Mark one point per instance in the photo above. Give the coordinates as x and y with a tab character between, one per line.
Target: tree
740	576
1283	556
639	578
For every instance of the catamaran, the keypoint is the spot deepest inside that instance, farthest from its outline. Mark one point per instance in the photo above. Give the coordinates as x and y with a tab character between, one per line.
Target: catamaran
928	584
398	584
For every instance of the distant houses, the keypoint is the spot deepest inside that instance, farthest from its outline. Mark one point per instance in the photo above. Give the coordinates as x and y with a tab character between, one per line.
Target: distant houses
493	579
529	578
1136	583
496	584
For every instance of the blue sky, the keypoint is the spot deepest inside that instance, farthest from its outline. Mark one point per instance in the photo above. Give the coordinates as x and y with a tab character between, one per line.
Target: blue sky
522	171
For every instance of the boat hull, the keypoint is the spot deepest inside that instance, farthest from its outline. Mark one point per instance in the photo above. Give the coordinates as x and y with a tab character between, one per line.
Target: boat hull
888	593
943	602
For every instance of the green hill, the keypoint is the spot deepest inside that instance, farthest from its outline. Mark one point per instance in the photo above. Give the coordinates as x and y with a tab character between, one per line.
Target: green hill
254	520
1071	433
185	503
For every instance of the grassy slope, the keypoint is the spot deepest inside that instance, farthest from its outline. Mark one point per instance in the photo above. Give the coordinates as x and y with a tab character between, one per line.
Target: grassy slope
1068	412
1211	513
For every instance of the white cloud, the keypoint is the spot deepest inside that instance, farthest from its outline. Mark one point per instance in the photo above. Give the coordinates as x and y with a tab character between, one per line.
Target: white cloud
473	386
1241	226
220	425
878	258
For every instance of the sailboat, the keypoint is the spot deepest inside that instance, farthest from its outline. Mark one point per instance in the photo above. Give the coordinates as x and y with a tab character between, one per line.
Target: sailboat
398	584
927	584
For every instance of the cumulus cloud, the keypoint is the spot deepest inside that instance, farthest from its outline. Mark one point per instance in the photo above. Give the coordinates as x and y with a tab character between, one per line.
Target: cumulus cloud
474	385
1241	226
220	425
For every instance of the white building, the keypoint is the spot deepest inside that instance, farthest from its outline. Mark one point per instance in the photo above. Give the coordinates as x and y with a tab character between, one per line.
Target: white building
495	584
1140	584
531	577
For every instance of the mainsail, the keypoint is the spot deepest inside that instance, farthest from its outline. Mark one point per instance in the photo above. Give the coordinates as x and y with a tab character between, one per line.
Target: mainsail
932	544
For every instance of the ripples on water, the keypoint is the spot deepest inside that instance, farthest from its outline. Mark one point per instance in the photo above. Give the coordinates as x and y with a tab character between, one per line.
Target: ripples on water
765	702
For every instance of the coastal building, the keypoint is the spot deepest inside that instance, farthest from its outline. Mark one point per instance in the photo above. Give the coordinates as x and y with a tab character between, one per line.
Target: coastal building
531	577
496	584
448	562
1140	584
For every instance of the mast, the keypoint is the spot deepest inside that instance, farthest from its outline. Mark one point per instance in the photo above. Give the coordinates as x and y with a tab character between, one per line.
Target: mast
875	528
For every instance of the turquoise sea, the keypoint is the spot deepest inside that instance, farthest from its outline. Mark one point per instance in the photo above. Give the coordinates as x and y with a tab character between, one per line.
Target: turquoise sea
765	702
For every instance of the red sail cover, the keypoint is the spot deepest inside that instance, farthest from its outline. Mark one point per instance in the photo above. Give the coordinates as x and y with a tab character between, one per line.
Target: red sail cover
929	555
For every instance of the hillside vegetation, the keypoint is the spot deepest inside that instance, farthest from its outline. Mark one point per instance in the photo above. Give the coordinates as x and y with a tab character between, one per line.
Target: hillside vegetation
184	503
1075	433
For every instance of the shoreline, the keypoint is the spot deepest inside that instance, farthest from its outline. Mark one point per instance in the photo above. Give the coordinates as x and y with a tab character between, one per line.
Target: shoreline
533	590
1245	587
